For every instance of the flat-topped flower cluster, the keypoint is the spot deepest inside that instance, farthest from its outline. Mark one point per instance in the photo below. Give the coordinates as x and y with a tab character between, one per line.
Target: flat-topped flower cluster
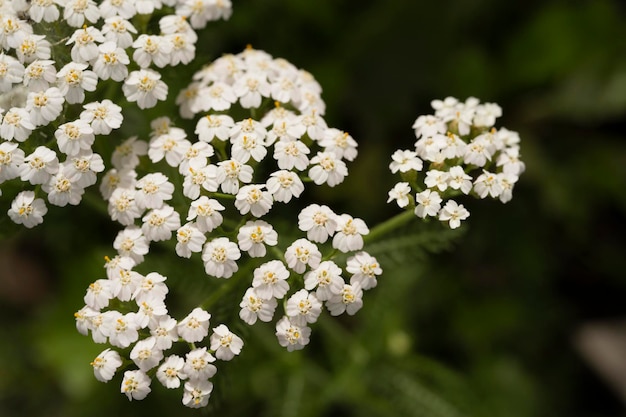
212	194
458	152
55	55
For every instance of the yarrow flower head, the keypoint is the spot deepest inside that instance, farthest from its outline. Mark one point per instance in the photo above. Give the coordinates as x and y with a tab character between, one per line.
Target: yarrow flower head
458	152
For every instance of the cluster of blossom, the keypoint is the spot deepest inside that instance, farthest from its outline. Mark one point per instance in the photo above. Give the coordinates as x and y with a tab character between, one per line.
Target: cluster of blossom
250	165
458	152
53	55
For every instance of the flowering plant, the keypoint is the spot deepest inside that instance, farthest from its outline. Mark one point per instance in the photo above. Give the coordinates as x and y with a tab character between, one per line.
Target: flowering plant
216	185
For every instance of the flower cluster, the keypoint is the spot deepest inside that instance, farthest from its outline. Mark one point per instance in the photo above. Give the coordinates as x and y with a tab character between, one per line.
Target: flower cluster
458	152
213	194
54	55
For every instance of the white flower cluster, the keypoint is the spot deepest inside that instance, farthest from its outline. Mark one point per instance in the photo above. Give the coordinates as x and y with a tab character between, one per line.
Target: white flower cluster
212	193
458	152
53	54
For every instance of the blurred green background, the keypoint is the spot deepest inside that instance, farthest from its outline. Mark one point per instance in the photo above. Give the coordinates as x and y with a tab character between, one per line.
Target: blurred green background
486	326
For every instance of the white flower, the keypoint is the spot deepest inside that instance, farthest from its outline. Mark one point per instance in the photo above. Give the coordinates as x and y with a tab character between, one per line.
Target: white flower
16	124
318	221
435	178
195	326
136	384
33	47
253	306
428	203
206	213
120	329
183	50
214	126
487	183
208	177
122	206
82	168
486	114
220	256
171	372
105	365
405	161
103	116
303	307
111	62
198	364
119	30
122	8
126	155
428	126
151	286
153	190
124	284
252	198
145	87
151	308
254	235
225	343
507	181
235	172
190	239
152	48
76	11
459	180
85	49
45	10
349	300
326	278
251	88
283	185
477	152
509	160
291	154
327	168
98	294
45	106
11	157
270	281
364	268
453	213
61	190
340	143
291	336
400	193
11	72
200	12
196	156
145	355
165	332
350	231
428	147
72	137
301	254
131	242
158	224
39	166
171	145
39	74
218	96
197	392
246	146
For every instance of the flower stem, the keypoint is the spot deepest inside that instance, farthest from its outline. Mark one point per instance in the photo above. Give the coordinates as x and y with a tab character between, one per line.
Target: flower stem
389	225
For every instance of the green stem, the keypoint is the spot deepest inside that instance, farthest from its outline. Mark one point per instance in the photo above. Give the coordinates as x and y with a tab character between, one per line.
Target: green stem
389	225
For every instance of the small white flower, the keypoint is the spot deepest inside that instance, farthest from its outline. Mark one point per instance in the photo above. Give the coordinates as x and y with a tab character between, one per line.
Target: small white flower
74	79
195	326
11	157
145	87
27	210
190	240
225	343
428	203
507	181
253	199
171	145
251	88
291	154
152	49
301	254
171	372
76	11
98	294
11	72
119	30
254	307
196	156
39	166
16	124
206	213
340	143
428	126
198	364
120	329
405	161
122	8
327	168
165	332
151	286
487	183
270	281
33	47
459	180
325	279
303	308
197	393
145	354
39	74
111	62
200	175
158	224
319	222
214	126
218	96
72	137
151	308
220	256
283	185
126	155
364	269
122	206
350	300
254	235
153	190
103	116
350	231
45	10
83	167
105	365
291	336
400	193
61	190
85	49
136	385
453	213
235	172
44	106
437	179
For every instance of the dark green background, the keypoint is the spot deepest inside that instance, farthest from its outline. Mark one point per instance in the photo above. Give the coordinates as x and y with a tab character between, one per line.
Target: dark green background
484	327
